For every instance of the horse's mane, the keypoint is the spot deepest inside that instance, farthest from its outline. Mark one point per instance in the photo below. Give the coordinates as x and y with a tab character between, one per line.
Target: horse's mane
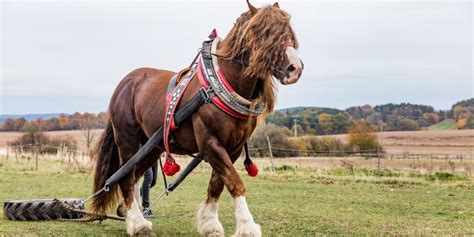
261	40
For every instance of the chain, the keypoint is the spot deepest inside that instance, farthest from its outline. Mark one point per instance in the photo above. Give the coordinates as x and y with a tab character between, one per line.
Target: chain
91	216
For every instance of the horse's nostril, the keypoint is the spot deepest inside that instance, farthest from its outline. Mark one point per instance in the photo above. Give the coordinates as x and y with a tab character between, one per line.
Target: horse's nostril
291	68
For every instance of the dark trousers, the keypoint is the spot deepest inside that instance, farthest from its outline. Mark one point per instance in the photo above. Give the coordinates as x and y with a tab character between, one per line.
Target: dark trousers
149	180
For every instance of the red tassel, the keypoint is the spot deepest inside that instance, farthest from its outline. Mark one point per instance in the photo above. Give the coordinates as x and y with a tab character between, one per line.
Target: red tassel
171	169
213	34
252	169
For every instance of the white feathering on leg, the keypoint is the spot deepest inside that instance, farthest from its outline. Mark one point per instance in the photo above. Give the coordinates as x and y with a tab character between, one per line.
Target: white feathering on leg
207	220
245	223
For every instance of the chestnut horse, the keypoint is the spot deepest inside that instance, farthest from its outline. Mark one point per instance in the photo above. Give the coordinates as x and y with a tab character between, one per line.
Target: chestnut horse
258	47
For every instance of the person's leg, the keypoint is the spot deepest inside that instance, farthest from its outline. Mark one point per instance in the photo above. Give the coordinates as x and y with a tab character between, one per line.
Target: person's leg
154	170
145	189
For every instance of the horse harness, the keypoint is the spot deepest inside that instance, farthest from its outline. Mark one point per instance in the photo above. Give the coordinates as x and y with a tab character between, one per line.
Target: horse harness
214	88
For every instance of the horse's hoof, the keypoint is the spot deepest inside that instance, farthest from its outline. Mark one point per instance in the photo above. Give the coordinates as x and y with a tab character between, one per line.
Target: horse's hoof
145	232
249	229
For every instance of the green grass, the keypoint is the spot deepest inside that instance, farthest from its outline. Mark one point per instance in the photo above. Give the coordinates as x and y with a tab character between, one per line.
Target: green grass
292	202
447	124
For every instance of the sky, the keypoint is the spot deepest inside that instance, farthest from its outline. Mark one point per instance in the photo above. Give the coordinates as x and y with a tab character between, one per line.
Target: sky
68	56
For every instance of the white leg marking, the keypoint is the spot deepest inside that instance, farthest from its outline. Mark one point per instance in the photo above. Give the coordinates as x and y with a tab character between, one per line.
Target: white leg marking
245	224
207	220
135	222
137	195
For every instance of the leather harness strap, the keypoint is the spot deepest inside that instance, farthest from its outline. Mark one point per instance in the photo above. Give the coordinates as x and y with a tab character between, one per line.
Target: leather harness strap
226	99
172	101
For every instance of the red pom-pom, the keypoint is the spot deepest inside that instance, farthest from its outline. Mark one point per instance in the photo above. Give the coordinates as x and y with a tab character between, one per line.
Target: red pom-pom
252	169
171	169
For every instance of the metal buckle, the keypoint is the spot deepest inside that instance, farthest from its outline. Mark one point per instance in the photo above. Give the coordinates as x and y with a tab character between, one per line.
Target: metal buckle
205	94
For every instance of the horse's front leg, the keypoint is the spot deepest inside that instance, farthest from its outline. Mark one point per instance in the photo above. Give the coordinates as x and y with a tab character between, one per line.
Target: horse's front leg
207	219
223	167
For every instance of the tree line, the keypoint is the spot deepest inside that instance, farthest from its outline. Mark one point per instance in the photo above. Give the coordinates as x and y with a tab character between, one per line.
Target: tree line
305	120
389	117
76	121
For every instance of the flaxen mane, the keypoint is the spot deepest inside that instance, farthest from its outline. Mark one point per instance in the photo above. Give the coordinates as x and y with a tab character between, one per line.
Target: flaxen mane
261	39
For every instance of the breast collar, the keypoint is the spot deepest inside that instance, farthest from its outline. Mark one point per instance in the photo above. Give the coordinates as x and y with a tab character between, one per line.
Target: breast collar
224	96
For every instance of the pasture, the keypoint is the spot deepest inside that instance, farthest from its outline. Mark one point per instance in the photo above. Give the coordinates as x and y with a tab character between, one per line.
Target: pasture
296	200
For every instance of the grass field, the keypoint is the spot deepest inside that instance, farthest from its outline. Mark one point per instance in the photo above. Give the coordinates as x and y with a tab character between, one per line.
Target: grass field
292	202
447	124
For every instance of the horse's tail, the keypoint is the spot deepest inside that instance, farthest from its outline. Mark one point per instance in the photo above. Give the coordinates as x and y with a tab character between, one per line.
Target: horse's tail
107	161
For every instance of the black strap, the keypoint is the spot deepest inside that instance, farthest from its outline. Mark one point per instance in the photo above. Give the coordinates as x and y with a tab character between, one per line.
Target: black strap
247	160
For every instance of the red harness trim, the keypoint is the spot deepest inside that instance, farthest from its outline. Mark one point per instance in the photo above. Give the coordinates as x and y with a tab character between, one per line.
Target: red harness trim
224	81
216	100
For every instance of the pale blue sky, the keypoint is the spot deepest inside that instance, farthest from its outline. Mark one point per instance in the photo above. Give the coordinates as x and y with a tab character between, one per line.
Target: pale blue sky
67	56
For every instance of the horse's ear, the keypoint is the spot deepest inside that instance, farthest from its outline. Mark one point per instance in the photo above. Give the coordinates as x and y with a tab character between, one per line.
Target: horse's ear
252	9
276	5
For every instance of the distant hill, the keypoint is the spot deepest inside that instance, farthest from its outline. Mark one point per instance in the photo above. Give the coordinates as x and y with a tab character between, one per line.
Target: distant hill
28	117
393	117
303	119
318	110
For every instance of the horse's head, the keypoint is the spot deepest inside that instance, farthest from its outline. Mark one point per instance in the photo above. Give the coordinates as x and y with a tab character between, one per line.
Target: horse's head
264	38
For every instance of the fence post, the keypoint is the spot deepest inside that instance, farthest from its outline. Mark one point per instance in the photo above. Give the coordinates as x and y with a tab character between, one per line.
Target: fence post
8	146
431	161
36	155
271	154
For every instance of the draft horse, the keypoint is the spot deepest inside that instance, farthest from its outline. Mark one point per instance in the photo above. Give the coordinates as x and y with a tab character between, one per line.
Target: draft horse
261	46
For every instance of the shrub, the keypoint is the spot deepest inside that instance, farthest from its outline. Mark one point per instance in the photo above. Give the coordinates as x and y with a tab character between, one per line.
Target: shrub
444	176
362	138
314	146
33	139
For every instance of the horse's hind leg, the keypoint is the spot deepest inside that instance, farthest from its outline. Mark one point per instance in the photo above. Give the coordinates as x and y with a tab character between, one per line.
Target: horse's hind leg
128	142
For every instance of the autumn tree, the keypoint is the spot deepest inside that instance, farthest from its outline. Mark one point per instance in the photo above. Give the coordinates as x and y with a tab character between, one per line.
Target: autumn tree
63	121
362	137
324	121
87	124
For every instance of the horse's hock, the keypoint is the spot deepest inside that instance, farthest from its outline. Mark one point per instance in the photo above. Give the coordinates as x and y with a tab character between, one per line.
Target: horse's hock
40	209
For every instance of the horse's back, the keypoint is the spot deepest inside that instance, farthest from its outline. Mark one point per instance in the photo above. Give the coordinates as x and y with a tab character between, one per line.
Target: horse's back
141	92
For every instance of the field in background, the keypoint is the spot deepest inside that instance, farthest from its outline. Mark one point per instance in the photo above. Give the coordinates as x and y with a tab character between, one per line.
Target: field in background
291	201
424	142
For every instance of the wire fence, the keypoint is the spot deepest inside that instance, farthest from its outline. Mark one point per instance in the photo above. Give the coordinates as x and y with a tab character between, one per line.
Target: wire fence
47	152
374	159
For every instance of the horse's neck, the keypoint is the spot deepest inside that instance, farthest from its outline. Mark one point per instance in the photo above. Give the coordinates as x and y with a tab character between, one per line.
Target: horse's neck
233	72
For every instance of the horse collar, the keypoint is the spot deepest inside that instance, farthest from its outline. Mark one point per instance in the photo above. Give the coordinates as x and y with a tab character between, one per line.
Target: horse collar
226	99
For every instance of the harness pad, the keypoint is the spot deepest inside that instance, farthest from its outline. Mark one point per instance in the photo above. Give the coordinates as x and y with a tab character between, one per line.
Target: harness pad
172	100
